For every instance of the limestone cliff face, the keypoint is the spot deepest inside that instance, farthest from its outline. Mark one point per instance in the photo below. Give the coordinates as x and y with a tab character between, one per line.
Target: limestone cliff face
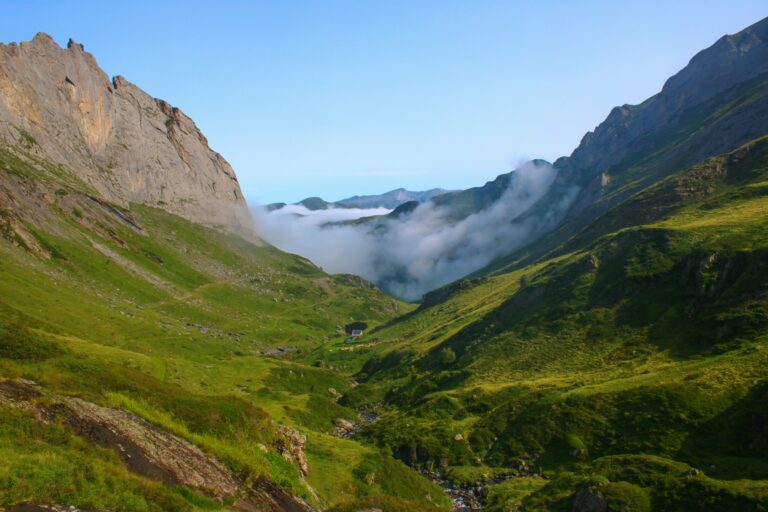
123	143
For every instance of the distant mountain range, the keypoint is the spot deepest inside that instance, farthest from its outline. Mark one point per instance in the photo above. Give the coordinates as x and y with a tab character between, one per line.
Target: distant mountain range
391	200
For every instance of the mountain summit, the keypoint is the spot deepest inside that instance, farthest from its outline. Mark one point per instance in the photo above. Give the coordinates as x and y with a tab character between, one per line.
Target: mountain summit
127	146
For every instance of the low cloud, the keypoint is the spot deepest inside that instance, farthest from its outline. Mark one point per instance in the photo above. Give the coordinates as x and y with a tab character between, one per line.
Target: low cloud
416	252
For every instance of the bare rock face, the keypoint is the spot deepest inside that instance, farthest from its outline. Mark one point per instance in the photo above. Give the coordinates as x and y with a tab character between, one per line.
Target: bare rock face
146	450
589	500
57	104
290	444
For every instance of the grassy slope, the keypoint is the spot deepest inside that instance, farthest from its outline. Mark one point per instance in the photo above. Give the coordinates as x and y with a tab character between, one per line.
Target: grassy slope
645	335
169	323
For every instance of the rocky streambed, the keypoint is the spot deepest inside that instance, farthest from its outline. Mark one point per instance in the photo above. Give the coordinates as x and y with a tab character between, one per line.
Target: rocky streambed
464	497
347	429
469	497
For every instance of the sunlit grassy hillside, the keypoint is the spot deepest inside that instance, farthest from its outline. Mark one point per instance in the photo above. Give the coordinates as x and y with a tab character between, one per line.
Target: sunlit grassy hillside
183	325
643	337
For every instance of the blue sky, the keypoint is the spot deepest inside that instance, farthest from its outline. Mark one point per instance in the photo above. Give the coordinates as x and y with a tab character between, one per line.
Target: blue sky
335	98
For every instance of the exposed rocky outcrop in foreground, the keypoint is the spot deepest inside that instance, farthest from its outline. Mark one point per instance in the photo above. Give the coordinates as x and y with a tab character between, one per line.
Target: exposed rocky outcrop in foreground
148	450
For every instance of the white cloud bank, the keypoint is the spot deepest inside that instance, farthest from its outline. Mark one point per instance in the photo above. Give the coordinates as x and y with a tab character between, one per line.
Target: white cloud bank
415	252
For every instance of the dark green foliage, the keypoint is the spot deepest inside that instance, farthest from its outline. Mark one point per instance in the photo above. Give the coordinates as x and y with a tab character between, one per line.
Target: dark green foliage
419	441
26	140
19	343
388	504
645	335
447	356
626	497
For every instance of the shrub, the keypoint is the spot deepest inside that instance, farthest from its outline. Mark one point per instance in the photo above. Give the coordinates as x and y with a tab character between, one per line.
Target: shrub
17	342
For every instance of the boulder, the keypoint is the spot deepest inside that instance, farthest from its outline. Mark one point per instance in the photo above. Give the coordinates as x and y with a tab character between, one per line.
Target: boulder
589	499
343	424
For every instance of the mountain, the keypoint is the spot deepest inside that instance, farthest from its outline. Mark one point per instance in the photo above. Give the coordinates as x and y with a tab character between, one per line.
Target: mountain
146	335
630	363
617	363
391	199
316	203
463	203
718	102
119	142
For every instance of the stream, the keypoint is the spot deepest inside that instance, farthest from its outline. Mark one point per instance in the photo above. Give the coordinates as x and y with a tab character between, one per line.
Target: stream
464	498
468	497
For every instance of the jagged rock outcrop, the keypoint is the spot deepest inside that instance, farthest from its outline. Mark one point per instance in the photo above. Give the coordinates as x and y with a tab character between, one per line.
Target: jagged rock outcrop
57	104
148	450
290	443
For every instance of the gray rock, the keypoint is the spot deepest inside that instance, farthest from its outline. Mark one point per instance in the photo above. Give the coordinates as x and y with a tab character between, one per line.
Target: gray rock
152	452
56	104
589	499
344	424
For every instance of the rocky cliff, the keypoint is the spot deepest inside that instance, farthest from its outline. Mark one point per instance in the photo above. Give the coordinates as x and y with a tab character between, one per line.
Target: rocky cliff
732	61
715	104
58	105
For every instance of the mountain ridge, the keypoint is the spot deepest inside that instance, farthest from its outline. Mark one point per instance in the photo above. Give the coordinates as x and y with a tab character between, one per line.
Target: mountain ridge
57	104
637	145
390	200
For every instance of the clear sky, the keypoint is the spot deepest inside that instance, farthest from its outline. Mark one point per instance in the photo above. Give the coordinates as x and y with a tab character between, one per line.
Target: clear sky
336	98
